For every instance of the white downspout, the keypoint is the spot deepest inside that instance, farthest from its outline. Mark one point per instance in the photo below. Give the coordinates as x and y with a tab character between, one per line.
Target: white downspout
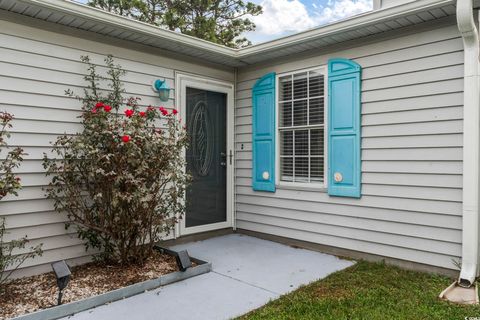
471	144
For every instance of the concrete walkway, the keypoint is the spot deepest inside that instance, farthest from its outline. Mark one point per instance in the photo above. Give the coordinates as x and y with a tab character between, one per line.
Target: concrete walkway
247	273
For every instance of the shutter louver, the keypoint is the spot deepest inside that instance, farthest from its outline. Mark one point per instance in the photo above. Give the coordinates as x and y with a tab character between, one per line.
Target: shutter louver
263	148
344	163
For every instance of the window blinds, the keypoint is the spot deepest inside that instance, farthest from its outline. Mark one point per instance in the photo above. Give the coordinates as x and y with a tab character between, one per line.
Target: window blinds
301	126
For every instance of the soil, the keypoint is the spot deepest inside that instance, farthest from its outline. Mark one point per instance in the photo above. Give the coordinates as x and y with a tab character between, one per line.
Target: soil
26	295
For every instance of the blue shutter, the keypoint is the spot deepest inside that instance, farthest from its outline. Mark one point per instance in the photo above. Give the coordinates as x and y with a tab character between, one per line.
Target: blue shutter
263	99
344	163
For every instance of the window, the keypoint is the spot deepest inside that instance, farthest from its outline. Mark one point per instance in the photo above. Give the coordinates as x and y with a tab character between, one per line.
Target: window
301	104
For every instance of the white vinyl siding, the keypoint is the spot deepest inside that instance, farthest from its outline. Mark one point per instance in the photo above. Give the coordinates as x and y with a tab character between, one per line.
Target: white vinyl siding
301	126
37	66
412	118
412	122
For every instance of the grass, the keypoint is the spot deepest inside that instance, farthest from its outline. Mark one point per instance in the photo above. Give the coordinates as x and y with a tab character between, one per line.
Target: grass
368	291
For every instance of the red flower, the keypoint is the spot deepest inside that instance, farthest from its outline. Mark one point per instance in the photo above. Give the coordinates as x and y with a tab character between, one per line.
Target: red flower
142	114
107	108
17	178
99	105
129	112
163	111
94	110
150	108
174	111
126	138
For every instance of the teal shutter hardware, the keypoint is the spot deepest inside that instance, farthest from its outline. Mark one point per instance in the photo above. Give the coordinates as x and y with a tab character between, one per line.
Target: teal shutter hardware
263	128
344	128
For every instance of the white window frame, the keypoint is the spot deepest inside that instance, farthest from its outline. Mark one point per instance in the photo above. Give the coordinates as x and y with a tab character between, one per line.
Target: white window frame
301	185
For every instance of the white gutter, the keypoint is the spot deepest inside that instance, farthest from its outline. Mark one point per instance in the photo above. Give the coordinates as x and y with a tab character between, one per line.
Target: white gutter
471	144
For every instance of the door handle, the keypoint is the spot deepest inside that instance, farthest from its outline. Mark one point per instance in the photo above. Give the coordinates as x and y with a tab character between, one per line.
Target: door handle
223	162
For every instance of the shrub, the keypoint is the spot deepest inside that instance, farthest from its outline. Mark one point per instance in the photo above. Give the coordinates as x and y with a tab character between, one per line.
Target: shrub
11	260
9	184
121	181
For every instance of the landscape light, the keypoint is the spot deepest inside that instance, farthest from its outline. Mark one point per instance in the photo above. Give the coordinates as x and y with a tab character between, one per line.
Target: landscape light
183	260
62	273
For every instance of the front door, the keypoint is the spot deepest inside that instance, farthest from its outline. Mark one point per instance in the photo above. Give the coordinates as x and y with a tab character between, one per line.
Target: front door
206	107
206	157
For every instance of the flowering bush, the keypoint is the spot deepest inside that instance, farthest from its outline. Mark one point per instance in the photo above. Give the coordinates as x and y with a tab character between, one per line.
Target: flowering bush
122	180
9	184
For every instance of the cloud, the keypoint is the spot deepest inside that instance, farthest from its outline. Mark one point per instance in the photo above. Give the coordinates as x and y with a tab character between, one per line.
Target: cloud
341	9
282	17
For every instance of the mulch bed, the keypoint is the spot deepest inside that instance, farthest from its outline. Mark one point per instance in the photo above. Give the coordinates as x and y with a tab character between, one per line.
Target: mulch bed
38	292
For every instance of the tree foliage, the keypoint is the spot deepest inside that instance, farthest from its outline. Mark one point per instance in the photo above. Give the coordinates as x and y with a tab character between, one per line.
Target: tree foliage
121	180
218	21
10	257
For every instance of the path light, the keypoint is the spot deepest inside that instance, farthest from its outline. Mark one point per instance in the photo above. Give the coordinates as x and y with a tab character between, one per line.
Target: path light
162	88
62	272
183	260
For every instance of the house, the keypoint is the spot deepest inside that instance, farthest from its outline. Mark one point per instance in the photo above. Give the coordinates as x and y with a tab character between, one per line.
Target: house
359	138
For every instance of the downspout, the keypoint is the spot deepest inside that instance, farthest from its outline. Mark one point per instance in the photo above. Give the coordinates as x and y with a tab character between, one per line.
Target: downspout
471	145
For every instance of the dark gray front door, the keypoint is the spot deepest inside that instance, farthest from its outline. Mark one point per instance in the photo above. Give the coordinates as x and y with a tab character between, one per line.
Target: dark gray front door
206	157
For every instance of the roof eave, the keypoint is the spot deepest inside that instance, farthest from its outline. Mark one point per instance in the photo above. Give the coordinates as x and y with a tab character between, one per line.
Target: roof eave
114	20
211	52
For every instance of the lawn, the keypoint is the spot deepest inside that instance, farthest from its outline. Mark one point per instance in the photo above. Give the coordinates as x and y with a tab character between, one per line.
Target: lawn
368	291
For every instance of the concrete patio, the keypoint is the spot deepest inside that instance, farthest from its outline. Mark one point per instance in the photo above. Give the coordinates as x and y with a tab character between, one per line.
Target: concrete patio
247	273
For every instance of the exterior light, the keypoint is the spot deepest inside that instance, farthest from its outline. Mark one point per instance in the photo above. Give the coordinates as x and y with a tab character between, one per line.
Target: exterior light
62	273
183	260
162	88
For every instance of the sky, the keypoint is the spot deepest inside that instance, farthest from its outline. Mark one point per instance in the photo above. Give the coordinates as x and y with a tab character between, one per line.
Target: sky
284	17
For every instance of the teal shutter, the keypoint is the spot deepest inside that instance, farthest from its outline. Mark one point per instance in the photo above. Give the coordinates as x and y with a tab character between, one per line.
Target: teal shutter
344	164
263	122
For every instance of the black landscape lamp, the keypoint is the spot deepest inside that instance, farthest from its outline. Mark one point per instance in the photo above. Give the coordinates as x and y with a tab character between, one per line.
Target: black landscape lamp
62	272
183	260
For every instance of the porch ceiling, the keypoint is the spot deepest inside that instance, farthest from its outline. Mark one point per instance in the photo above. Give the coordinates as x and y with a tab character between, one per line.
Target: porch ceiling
93	20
